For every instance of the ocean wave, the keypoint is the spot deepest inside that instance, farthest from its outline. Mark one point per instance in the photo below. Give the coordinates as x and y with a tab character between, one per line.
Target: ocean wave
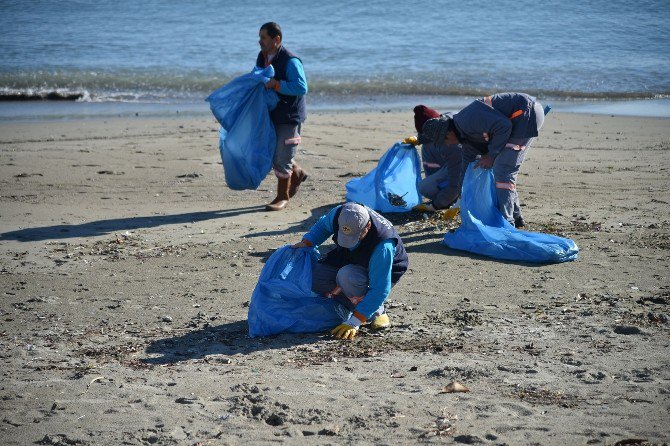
169	87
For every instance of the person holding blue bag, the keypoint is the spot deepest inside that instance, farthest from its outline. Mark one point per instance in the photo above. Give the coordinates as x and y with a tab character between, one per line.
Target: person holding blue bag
290	83
498	130
368	260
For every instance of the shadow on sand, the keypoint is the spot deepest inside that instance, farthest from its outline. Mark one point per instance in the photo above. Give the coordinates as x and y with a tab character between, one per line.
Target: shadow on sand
102	227
226	339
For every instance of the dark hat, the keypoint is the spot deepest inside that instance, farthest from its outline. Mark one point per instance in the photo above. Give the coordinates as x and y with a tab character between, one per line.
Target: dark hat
423	114
435	130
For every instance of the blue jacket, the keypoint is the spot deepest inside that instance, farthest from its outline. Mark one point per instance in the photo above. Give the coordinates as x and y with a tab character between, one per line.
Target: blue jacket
387	261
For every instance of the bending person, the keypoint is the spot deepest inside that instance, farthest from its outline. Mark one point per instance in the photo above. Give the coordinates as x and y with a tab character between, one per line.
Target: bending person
498	129
368	260
441	165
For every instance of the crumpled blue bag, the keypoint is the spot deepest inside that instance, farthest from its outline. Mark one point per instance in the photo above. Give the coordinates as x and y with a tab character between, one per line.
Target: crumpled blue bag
247	136
282	301
485	231
392	186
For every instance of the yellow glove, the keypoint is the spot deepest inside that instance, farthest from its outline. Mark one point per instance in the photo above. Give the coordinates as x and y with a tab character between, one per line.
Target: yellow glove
344	331
411	140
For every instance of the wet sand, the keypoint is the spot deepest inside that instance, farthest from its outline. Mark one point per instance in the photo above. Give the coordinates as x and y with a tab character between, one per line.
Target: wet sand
127	267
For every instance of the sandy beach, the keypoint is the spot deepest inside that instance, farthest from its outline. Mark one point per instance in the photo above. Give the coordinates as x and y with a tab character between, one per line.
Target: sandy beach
127	268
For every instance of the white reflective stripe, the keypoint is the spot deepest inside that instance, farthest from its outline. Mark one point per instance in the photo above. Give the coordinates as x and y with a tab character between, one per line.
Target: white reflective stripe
515	147
337	290
431	165
508	186
280	174
292	141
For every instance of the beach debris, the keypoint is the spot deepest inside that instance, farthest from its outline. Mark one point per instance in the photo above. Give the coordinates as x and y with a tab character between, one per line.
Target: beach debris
59	439
627	330
189	175
26	175
630	441
468	439
454	387
330	432
167	319
658	318
443	426
274	420
98	378
110	172
397	200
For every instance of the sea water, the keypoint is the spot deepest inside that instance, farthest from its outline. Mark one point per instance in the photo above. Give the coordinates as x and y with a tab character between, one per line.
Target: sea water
374	54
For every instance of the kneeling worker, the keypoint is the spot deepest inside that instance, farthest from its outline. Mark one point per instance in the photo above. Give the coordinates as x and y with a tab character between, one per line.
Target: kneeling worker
368	259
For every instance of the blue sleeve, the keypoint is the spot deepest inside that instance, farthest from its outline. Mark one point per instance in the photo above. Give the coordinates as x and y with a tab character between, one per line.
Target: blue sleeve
379	277
296	83
322	229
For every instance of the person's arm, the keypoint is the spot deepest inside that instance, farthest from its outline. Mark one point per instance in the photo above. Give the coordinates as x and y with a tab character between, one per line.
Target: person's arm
379	280
500	127
321	230
295	83
379	287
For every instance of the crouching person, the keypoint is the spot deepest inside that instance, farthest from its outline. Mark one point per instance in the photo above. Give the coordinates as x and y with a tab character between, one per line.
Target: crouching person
442	164
368	260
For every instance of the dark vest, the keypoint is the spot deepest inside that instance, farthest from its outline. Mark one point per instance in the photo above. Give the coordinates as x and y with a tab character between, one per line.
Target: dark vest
290	109
381	230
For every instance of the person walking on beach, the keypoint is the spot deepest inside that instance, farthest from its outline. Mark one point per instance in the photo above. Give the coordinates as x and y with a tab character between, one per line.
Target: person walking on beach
498	129
441	164
290	84
368	260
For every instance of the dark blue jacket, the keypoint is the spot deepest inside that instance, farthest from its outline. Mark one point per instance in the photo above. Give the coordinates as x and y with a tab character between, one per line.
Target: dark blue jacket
487	124
381	230
290	109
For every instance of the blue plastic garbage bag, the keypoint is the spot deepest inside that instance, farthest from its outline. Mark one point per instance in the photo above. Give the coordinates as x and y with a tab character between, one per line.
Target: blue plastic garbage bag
247	136
392	186
282	301
485	231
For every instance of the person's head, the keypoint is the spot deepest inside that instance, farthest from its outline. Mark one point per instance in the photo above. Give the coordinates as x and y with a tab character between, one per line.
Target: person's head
423	114
354	222
269	37
440	130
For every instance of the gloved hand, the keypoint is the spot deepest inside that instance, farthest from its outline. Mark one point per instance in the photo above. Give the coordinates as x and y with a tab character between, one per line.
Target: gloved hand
304	243
485	162
344	331
411	140
272	84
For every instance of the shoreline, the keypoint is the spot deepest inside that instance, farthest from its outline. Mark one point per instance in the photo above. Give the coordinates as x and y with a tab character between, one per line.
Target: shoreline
45	111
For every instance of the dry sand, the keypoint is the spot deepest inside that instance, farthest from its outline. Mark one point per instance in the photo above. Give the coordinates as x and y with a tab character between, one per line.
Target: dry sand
127	267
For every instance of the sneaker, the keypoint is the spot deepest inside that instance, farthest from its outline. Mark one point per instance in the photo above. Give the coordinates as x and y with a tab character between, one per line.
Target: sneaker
380	322
519	222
